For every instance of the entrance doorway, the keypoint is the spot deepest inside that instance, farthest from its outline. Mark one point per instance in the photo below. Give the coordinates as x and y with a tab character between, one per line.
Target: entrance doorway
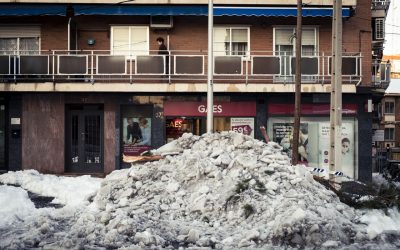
84	138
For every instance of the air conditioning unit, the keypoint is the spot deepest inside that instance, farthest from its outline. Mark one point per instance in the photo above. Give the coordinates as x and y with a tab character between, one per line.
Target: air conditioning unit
161	22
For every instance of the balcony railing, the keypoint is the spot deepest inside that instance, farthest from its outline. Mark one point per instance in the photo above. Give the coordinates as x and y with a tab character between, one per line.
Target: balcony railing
380	4
381	74
177	67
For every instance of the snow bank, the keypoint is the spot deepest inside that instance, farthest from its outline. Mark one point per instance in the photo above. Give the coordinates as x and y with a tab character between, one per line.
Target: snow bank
64	189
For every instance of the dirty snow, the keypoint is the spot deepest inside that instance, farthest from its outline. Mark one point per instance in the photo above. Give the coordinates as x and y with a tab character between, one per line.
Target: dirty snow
222	191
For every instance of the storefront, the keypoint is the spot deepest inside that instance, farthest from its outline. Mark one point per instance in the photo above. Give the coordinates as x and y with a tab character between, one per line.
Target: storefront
190	117
314	136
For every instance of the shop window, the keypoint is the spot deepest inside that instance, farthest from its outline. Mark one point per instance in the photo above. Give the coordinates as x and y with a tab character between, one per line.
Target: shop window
389	107
130	40
177	126
229	41
136	124
389	134
314	142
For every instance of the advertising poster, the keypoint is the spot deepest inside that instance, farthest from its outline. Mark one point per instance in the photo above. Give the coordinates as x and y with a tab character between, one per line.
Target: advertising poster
283	135
136	135
347	147
243	125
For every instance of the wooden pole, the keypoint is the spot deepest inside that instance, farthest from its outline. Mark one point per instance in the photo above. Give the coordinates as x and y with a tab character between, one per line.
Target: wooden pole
297	97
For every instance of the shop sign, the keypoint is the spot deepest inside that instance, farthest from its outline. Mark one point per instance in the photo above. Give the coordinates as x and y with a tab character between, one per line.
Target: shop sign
243	125
200	109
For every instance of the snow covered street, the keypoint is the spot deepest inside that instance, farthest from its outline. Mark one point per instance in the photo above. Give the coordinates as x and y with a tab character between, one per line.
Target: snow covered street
221	191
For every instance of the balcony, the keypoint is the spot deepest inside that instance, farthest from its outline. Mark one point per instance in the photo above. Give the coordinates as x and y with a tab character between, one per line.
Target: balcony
177	67
380	4
381	74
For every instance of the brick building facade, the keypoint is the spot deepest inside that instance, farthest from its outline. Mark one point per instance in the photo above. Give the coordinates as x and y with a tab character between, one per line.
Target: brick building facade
104	74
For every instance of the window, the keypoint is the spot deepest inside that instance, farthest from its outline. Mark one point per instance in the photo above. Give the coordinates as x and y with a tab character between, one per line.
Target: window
130	40
285	41
285	46
19	40
379	28
389	107
231	41
389	134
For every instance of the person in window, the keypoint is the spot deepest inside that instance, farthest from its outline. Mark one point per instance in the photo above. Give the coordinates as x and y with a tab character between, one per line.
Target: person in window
162	50
146	132
134	134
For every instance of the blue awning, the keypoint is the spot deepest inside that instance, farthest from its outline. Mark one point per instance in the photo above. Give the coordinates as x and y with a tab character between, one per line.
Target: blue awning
161	10
141	10
32	10
202	10
276	11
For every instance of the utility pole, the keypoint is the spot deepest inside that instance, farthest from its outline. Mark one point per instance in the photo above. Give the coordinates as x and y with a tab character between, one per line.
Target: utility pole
210	70
297	95
335	157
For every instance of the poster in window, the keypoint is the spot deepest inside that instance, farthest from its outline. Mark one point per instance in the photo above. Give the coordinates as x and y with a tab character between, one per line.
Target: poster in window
347	148
283	135
244	125
136	135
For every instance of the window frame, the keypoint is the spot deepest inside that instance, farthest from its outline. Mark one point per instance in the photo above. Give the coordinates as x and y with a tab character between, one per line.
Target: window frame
389	105
246	56
379	28
130	27
389	136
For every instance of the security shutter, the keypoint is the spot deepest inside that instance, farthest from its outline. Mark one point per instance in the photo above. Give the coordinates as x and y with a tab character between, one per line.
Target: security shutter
284	36
19	31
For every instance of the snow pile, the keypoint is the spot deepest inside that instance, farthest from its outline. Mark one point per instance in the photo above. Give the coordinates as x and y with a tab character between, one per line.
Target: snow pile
64	189
223	191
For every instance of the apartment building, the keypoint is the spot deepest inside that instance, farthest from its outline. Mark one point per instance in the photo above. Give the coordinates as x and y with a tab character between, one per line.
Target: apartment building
83	83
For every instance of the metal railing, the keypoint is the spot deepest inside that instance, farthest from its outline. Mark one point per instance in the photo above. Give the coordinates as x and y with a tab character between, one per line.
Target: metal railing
381	74
177	67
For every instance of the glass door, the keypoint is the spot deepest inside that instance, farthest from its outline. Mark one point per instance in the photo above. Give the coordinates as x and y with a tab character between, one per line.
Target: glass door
85	140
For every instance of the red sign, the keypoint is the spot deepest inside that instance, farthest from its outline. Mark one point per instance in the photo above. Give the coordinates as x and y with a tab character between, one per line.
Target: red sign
200	109
309	109
244	129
